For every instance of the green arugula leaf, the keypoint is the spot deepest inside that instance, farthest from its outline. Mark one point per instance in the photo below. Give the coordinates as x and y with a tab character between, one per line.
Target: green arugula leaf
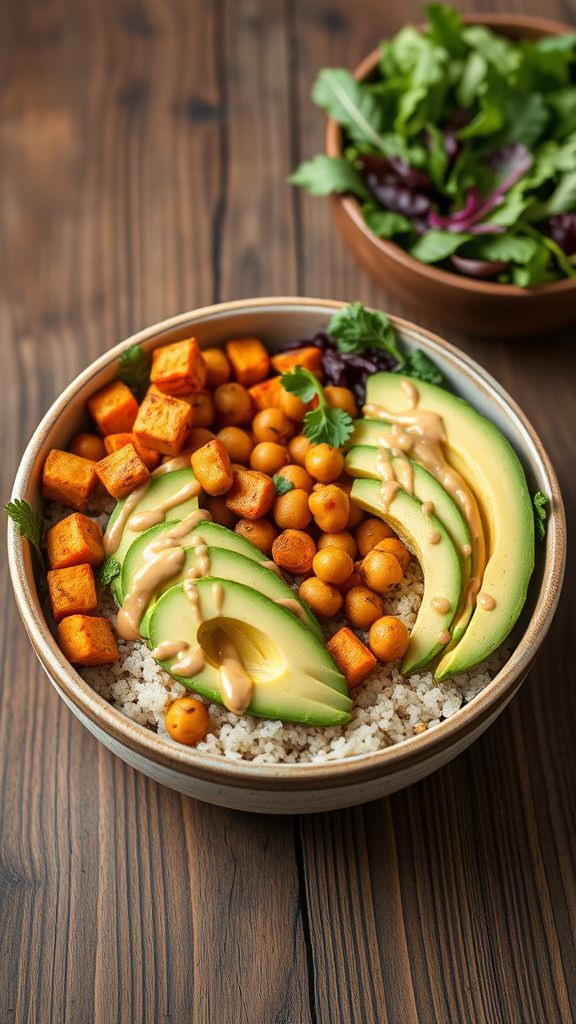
351	104
563	104
446	28
473	77
536	271
134	369
501	53
324	175
27	522
437	157
421	367
540	500
435	246
385	223
508	248
355	328
108	570
526	118
562	200
322	425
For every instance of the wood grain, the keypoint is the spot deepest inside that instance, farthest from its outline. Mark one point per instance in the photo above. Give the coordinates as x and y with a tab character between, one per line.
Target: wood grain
143	151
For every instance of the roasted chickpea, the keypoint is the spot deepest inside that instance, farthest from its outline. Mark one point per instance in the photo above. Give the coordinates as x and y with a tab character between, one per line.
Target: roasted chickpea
356	514
188	721
88	446
324	463
363	606
388	638
218	369
260	532
343	540
293	406
321	597
342	398
202	407
330	507
294	551
291	510
196	438
268	457
333	565
233	404
220	512
370	533
395	547
298	448
272	425
297	476
237	443
381	570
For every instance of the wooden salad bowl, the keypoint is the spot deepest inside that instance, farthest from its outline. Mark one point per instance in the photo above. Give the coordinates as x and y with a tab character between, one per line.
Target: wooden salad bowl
285	788
464	303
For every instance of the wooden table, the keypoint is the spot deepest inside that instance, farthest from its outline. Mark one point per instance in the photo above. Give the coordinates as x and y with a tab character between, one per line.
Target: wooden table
143	153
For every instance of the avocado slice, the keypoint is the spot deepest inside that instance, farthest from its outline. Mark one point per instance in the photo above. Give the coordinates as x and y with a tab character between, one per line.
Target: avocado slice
294	677
160	489
486	459
232	565
439	561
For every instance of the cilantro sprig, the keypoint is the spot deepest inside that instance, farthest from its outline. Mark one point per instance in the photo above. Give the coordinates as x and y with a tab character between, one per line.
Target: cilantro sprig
540	500
355	328
134	369
281	484
322	425
28	523
108	570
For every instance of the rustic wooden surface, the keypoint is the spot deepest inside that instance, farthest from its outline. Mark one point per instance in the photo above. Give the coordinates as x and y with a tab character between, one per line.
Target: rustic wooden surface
143	150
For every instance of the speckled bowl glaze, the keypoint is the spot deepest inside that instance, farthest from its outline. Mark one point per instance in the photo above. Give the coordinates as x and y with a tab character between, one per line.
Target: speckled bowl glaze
288	789
479	307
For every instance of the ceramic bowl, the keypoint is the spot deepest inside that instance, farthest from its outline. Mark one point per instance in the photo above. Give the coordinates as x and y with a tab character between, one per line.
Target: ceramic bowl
479	307
288	788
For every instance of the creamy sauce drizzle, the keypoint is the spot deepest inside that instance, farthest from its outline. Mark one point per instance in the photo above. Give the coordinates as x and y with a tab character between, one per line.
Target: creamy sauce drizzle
471	592
434	535
146	580
114	535
236	686
441	605
293	606
189	662
444	637
191	592
178	462
487	602
141	521
218	597
273	568
169	649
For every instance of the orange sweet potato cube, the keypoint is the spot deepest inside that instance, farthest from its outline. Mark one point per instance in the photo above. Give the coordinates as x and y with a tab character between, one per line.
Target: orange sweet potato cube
178	368
352	657
212	469
307	356
114	442
68	479
252	494
250	360
267	394
87	640
162	423
72	591
74	541
113	408
122	471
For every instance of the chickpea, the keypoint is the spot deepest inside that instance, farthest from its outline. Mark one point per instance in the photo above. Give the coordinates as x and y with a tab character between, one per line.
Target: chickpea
370	533
293	406
237	443
259	532
343	540
342	398
333	565
291	510
297	476
324	463
202	407
298	448
363	606
381	570
88	446
220	512
196	438
272	425
395	547
321	597
330	508
188	721
294	551
388	638
233	404
218	369
268	457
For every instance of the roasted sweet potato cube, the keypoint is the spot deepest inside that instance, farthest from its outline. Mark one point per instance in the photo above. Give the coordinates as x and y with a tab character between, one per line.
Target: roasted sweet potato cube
352	657
178	368
114	442
113	408
87	640
72	591
252	494
73	541
211	465
68	479
307	356
250	360
267	394
162	423
122	471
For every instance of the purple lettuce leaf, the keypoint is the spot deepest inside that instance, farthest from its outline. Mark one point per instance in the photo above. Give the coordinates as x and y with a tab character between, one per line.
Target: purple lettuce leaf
509	164
561	228
397	186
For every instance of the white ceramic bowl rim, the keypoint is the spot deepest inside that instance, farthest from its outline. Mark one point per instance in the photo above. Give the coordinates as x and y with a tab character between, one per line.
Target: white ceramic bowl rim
297	776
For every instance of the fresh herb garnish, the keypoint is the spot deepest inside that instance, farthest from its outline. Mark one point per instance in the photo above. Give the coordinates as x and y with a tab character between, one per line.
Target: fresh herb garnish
108	570
134	369
540	500
355	328
322	425
27	522
421	367
281	484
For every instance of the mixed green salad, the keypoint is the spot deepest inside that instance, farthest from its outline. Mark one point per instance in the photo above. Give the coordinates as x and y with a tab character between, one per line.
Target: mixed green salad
461	148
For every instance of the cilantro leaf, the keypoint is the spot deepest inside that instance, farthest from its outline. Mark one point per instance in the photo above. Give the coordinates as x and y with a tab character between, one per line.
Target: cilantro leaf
355	328
281	484
108	570
134	369
27	522
302	383
327	174
540	500
322	425
421	367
